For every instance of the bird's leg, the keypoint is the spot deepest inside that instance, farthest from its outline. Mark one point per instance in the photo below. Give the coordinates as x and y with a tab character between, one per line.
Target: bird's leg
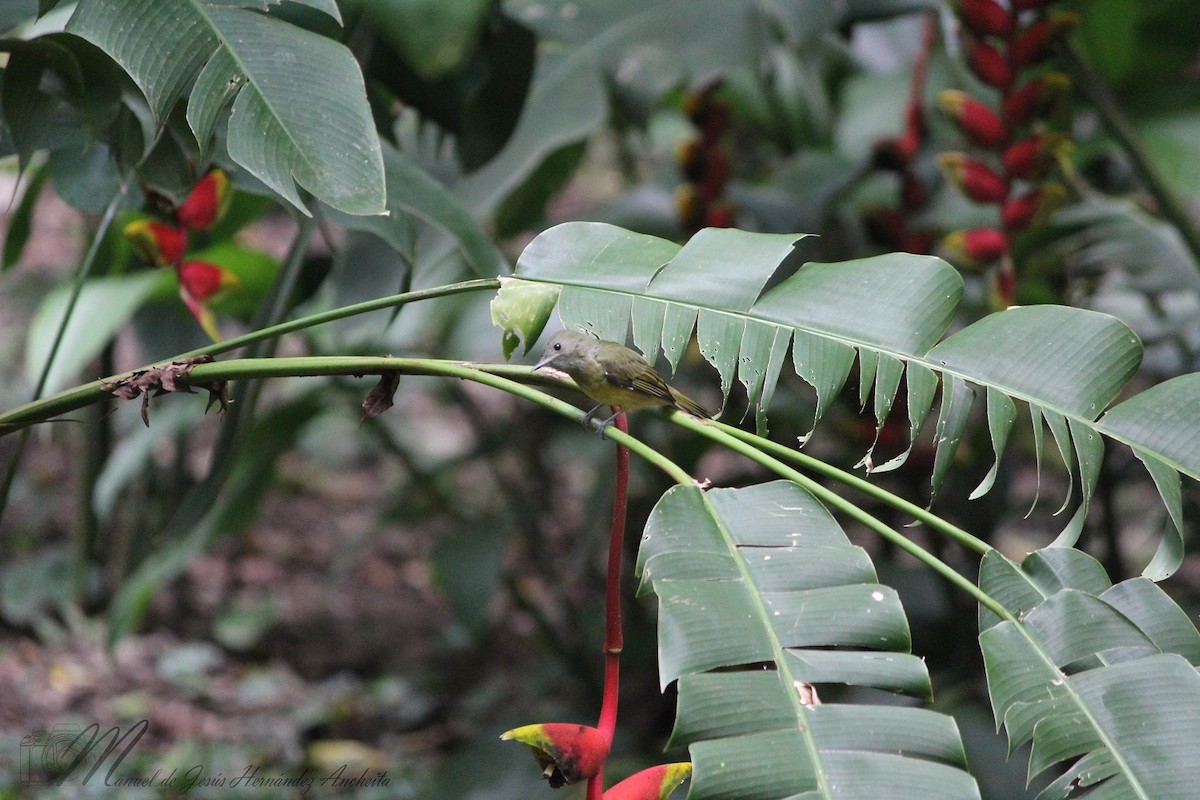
590	417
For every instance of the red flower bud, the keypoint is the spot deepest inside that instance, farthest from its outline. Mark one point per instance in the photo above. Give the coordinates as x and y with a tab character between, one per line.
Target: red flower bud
207	202
199	282
986	17
655	783
720	215
1037	41
973	178
989	64
1033	207
1036	98
978	122
566	752
160	244
1032	158
976	247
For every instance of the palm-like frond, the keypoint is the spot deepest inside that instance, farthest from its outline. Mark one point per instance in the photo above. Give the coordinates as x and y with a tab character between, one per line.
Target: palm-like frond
760	597
890	311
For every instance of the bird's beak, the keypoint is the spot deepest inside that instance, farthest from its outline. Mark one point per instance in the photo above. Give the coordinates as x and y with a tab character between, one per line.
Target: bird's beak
543	361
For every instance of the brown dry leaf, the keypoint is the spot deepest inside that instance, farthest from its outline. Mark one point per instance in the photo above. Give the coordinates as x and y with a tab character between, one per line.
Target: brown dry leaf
159	380
382	395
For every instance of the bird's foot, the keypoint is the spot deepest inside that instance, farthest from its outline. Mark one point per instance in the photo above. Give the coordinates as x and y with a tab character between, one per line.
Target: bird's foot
590	417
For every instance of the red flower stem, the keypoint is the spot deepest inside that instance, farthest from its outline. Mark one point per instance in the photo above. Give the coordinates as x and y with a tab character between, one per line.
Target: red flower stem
613	638
595	788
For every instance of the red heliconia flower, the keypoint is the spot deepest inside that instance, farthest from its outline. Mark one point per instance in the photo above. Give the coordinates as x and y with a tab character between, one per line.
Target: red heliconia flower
977	121
973	178
989	64
1033	207
207	202
720	215
975	247
1036	98
986	17
567	752
1035	42
655	783
161	244
1032	158
200	282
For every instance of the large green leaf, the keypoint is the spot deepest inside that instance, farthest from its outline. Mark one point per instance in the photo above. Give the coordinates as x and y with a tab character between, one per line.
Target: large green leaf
299	109
761	598
1066	364
103	307
1100	678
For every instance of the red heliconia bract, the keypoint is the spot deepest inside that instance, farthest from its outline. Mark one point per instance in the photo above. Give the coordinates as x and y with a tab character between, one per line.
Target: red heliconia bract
1035	42
655	783
1033	206
1032	158
567	752
977	121
1036	98
975	179
202	280
206	203
975	246
199	282
160	244
989	64
986	17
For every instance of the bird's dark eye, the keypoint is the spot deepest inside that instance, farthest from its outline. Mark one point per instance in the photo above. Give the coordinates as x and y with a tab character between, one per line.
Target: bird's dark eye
558	345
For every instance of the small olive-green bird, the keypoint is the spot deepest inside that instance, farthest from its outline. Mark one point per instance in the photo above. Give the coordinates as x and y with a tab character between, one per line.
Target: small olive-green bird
613	375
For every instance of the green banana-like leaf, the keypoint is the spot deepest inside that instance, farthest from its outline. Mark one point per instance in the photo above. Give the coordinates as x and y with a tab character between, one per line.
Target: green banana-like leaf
890	311
1101	678
761	596
299	108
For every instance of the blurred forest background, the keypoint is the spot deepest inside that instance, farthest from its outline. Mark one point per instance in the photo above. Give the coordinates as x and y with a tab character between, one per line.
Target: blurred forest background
391	593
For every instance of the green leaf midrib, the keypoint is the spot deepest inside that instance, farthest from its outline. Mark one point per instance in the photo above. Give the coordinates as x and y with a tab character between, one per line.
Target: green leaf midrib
905	357
1070	689
295	146
777	648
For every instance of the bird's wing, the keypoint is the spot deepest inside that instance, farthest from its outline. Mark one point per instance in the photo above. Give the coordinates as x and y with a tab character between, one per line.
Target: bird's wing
646	382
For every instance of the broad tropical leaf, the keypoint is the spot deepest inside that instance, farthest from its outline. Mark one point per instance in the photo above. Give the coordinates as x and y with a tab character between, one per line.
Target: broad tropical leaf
1101	678
761	597
1066	364
299	108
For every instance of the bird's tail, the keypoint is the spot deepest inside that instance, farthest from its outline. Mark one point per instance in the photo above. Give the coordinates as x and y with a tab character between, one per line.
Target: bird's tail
690	406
